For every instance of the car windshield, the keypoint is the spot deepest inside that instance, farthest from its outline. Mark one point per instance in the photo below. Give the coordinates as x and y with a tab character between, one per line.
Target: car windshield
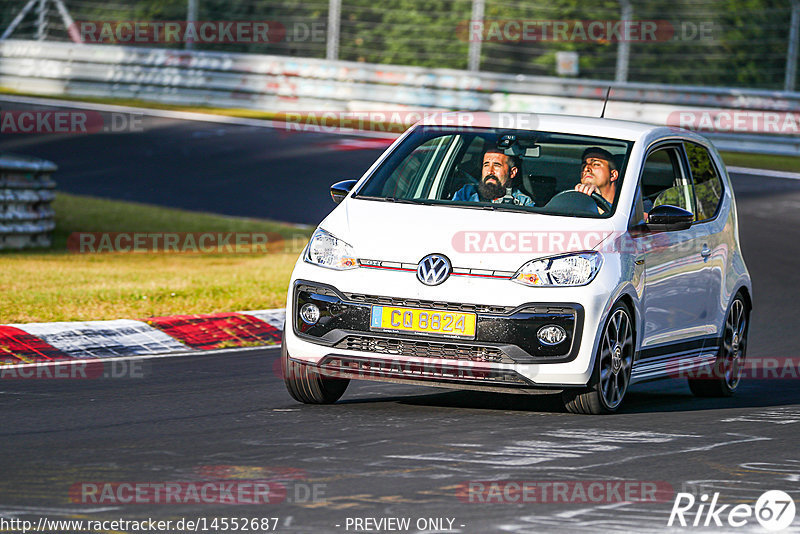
474	168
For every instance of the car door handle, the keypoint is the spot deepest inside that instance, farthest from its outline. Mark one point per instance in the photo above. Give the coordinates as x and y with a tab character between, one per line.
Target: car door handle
706	252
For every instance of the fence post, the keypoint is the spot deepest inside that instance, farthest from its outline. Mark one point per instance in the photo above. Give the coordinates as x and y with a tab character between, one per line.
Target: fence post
791	56
41	21
14	23
72	30
334	23
191	16
624	47
474	59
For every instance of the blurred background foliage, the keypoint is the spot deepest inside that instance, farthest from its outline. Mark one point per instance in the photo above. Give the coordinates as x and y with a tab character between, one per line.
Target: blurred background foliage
732	43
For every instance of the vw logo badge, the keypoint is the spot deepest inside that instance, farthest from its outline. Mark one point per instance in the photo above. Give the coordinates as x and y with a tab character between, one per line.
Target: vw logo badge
433	269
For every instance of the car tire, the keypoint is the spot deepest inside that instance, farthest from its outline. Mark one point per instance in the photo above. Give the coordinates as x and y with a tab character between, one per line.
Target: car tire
612	370
726	373
308	386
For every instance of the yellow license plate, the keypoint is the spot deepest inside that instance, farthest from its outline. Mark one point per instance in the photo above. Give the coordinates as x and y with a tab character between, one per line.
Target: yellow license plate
444	323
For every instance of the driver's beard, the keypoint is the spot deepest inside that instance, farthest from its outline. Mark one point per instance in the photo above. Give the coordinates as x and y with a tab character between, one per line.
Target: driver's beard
490	191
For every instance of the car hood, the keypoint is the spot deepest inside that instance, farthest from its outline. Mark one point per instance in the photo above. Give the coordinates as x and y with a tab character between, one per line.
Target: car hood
470	238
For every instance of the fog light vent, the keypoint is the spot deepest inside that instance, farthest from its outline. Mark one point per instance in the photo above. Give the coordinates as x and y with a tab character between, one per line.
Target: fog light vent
309	313
551	334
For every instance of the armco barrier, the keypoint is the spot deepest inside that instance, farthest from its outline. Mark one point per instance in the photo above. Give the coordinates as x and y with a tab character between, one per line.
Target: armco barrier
276	83
26	192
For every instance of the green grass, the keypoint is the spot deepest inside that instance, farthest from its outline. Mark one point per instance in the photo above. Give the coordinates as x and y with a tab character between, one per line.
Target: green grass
88	214
59	285
761	161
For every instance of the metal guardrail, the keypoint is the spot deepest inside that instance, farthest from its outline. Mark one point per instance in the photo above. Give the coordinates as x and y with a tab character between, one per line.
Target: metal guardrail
26	193
276	83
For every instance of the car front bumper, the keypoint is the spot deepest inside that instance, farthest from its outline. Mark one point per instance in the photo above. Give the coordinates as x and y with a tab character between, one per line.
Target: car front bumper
503	355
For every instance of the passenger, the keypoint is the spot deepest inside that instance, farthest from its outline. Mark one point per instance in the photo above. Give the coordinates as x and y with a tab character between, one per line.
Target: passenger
497	177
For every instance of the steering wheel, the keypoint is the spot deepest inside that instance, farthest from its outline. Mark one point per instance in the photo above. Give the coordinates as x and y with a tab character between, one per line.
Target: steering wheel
602	203
576	202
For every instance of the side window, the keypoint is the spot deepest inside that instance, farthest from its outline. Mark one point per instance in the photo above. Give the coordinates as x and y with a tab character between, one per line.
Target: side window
468	170
417	168
707	182
664	183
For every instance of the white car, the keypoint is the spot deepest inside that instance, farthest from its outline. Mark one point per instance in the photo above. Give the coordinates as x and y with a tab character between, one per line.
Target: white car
465	258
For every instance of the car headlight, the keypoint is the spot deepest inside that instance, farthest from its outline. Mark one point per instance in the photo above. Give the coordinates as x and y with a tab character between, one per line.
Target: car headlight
567	270
327	250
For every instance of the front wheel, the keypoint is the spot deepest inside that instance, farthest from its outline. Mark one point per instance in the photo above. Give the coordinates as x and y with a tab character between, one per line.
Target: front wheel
306	385
727	370
612	372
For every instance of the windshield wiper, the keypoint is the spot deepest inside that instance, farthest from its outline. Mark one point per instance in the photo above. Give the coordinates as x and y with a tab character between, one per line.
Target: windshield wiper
506	207
471	205
491	207
395	200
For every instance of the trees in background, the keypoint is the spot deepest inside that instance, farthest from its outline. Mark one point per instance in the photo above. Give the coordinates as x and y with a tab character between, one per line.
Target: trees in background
735	43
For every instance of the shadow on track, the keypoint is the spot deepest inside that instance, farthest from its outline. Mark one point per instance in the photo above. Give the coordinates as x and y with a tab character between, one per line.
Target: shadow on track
655	397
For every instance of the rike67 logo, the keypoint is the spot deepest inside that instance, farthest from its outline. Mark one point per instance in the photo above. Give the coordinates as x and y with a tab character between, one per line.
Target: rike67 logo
774	510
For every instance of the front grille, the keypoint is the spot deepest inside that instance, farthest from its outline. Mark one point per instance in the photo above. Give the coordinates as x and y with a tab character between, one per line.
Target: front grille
432	304
424	349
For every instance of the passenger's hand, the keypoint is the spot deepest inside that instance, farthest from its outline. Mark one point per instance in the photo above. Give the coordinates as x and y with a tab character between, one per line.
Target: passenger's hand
587	189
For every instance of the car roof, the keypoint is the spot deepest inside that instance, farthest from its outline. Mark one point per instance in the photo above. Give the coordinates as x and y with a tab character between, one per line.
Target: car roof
569	124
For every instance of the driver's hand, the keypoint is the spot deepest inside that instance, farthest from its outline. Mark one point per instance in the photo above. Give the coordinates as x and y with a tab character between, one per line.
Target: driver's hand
587	189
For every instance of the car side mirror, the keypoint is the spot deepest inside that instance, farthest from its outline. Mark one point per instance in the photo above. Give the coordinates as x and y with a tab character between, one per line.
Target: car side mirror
666	218
339	190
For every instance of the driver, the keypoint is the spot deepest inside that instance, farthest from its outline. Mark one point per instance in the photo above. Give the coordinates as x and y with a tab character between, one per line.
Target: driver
598	173
497	175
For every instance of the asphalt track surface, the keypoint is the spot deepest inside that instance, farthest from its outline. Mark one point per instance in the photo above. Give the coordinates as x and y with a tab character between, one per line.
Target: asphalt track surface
384	450
246	171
